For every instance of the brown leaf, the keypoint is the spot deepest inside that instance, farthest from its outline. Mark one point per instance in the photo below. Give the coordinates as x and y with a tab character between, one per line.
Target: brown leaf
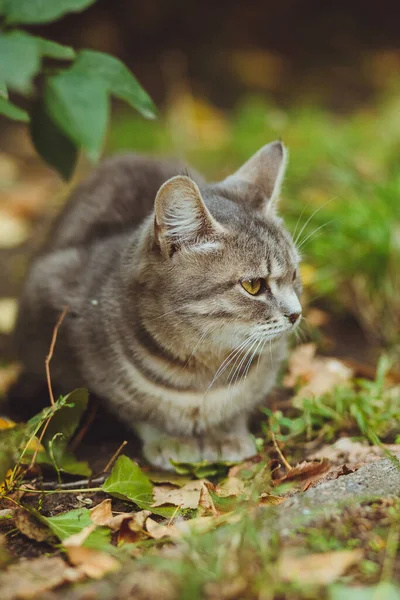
32	578
303	471
271	500
232	486
30	527
316	375
322	568
188	496
158	530
346	450
92	563
102	513
131	526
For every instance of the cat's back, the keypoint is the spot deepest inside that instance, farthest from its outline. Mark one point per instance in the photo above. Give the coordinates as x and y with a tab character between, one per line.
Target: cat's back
117	196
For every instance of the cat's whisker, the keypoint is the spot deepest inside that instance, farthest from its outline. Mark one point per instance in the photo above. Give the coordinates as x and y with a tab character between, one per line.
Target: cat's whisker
237	365
311	217
227	361
201	339
233	379
310	235
298	221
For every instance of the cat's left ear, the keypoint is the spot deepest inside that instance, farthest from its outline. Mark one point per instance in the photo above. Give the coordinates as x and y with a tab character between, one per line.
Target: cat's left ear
265	169
181	218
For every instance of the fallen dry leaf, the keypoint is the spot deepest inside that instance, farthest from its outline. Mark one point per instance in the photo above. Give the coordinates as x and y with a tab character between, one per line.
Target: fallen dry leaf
102	513
322	568
353	453
188	496
30	527
131	526
306	470
316	375
232	486
158	530
32	578
92	563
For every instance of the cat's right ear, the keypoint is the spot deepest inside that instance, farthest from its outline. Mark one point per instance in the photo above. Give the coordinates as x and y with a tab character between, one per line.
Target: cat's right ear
266	169
181	217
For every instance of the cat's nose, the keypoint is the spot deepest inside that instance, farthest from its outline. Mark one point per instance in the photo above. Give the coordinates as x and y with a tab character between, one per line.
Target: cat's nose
293	317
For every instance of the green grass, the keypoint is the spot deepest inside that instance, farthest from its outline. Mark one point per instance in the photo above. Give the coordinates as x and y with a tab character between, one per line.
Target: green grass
368	409
343	186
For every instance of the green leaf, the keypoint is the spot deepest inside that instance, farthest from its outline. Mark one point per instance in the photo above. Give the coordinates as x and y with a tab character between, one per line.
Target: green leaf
119	81
78	104
20	60
73	521
65	422
13	112
54	50
41	11
128	482
10	441
51	143
3	90
202	469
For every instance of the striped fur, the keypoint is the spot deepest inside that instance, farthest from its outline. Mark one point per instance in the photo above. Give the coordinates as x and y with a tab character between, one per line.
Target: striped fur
150	264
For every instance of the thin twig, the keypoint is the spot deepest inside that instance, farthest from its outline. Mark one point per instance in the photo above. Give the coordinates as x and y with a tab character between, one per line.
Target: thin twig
50	354
54	485
114	457
283	459
47	363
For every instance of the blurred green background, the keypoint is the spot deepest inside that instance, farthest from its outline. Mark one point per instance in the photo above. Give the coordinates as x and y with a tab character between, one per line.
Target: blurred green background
229	77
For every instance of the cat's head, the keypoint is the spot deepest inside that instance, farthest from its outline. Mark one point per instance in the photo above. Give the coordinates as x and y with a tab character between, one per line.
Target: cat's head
224	262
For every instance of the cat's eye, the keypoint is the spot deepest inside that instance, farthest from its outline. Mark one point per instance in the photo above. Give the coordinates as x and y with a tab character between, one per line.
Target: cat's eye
294	275
254	286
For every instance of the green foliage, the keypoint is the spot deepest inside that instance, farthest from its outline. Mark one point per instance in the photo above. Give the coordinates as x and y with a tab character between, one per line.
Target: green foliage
73	111
32	12
202	469
18	444
66	524
369	408
128	482
78	104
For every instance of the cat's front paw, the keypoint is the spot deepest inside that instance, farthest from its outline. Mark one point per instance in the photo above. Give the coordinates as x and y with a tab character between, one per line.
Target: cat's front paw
229	448
160	452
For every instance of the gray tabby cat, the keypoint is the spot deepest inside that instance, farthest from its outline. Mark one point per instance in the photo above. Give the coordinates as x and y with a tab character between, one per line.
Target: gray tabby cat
181	295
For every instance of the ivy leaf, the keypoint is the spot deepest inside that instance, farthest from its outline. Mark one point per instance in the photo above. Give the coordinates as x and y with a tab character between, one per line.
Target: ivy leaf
78	104
20	60
51	143
128	482
13	112
54	50
118	79
65	422
40	11
71	523
202	469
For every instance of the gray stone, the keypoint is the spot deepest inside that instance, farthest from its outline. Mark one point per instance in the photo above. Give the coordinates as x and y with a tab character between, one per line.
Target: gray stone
379	479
